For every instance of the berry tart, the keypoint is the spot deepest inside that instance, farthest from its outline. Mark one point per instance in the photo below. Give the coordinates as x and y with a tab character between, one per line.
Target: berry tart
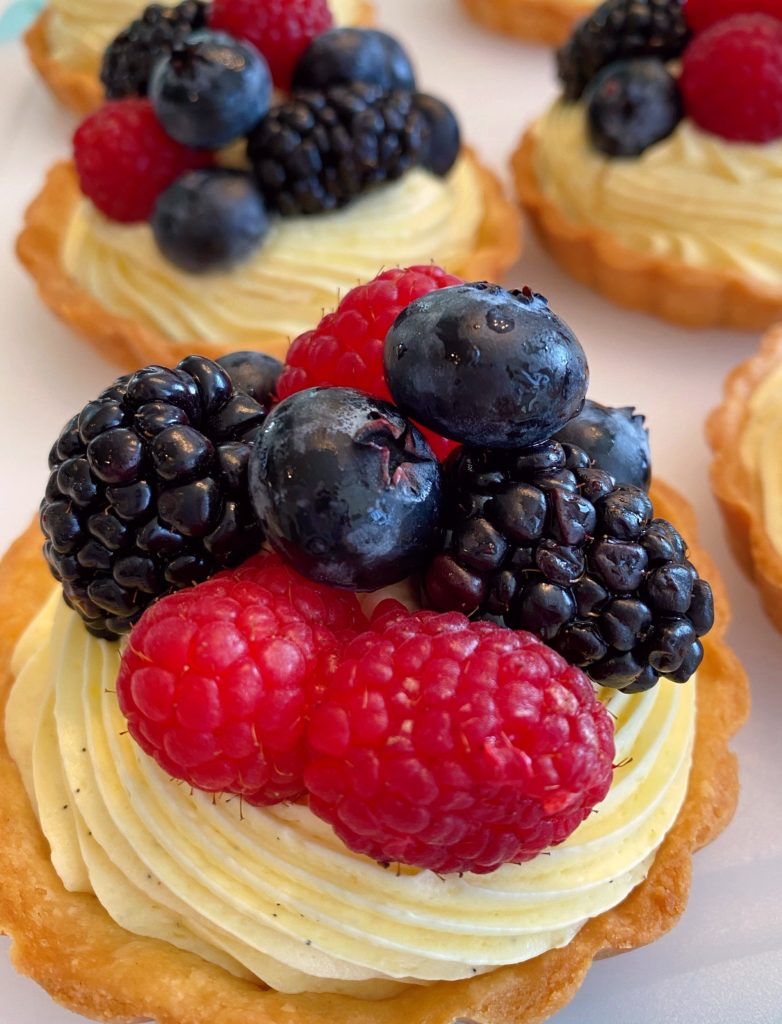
746	486
67	42
656	178
204	206
535	21
312	723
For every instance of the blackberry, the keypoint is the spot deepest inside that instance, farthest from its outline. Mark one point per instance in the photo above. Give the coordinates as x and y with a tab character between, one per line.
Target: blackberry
320	150
620	29
543	539
129	60
148	490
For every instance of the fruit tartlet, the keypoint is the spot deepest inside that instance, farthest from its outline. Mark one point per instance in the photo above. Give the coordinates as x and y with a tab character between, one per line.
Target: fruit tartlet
748	486
66	43
536	21
656	178
313	723
204	207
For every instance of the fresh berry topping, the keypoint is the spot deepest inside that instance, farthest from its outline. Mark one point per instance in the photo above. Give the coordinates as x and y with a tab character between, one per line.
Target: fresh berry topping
148	491
616	30
345	55
444	142
731	79
546	540
485	366
346	348
616	441
254	373
280	29
211	90
216	681
320	150
210	220
125	159
129	60
455	746
632	104
701	14
346	489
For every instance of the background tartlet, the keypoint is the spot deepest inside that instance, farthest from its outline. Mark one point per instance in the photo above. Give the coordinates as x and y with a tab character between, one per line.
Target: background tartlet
114	976
537	21
735	492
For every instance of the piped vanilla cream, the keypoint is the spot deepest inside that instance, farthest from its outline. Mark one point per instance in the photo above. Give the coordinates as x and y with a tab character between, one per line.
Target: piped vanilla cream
299	271
272	893
693	197
78	31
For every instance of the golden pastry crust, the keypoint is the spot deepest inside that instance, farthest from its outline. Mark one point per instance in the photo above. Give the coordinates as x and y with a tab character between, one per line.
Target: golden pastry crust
536	21
131	344
684	295
111	975
81	91
731	484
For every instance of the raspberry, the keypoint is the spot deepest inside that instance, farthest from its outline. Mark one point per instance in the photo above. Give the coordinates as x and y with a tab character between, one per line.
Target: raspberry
216	680
346	348
455	745
731	79
125	160
281	29
701	14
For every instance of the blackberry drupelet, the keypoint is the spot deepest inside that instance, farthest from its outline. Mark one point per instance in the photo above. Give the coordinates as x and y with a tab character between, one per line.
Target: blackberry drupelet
620	29
129	60
319	150
148	491
545	540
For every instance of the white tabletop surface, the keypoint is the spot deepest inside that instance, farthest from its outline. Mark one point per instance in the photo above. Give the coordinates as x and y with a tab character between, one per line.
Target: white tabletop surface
723	962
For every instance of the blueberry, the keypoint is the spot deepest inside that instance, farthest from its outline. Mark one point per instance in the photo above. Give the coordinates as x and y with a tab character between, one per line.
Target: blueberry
344	55
346	489
254	373
485	366
615	439
631	105
209	220
210	90
444	142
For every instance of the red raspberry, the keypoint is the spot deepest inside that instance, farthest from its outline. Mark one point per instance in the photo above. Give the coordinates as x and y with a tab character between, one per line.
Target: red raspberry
346	348
281	29
455	745
125	160
216	680
731	78
701	14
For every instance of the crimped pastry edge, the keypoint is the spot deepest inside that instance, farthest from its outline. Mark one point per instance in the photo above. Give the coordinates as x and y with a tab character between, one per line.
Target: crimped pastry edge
729	479
131	344
671	290
81	91
111	975
535	21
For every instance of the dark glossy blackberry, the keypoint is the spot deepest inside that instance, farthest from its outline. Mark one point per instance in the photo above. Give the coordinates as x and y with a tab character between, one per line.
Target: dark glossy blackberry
319	150
549	543
129	60
148	489
631	105
619	29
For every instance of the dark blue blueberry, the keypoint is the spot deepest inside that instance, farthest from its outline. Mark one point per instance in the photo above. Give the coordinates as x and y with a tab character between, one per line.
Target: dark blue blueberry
615	439
444	142
254	373
344	55
209	220
211	90
631	105
485	366
346	489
